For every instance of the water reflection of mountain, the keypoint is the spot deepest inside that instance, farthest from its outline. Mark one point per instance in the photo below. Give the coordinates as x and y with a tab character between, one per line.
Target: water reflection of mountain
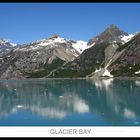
114	100
54	99
117	100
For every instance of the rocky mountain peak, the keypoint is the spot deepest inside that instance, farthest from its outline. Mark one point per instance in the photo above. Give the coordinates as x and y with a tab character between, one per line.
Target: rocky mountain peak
110	34
114	31
5	46
4	41
54	36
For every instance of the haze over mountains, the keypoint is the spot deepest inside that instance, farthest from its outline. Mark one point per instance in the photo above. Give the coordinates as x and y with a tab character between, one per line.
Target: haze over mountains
113	53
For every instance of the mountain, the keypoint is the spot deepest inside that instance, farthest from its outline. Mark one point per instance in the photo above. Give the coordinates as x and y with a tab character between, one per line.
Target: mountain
94	61
39	58
5	45
112	53
112	34
128	64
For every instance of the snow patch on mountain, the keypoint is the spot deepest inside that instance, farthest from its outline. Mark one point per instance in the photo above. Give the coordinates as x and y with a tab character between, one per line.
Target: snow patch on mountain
6	42
126	38
97	70
137	72
91	45
107	73
13	44
80	46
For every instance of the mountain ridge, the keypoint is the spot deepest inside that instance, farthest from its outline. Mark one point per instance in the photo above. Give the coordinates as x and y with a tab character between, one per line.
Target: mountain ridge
59	57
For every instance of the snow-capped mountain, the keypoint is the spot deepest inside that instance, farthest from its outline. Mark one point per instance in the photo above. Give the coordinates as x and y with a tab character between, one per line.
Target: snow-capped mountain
42	55
112	34
107	54
5	45
103	57
78	46
54	42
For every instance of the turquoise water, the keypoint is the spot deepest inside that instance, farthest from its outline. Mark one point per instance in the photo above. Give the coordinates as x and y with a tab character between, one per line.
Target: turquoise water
70	103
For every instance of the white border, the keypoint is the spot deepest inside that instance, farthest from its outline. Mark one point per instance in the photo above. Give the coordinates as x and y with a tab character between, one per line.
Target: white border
46	131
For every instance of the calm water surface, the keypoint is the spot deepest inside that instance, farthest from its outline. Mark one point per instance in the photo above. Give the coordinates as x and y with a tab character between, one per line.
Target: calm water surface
65	102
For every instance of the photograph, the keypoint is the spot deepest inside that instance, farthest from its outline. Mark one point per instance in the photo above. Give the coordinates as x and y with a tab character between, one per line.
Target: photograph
69	69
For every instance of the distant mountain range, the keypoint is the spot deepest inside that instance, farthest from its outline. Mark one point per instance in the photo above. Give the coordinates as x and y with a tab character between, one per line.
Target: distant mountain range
113	53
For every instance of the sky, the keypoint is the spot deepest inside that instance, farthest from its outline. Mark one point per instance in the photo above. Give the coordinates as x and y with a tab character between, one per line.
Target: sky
26	22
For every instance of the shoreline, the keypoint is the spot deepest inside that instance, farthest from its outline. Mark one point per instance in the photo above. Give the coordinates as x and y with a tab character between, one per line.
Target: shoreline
76	78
